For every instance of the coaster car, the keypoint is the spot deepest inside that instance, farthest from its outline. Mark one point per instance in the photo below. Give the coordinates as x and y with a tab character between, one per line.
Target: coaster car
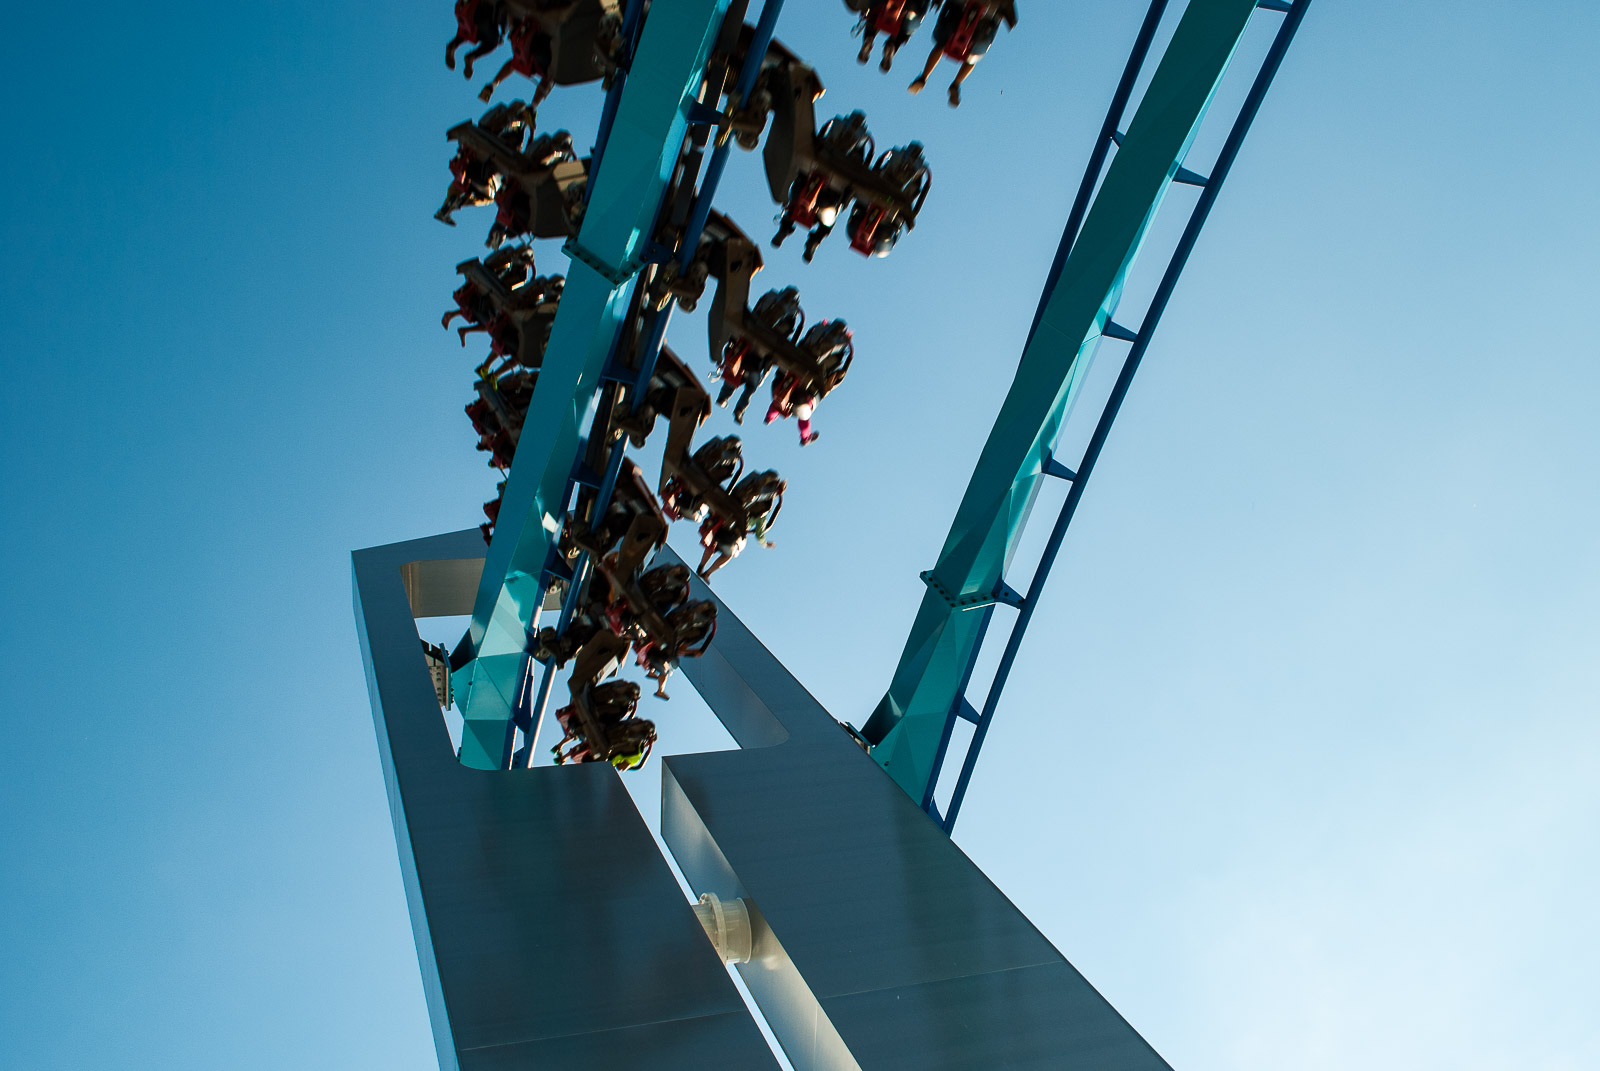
815	174
673	390
632	503
694	483
556	42
741	364
724	249
760	500
499	411
660	615
599	720
607	704
474	179
691	628
540	190
517	319
780	70
769	334
478	300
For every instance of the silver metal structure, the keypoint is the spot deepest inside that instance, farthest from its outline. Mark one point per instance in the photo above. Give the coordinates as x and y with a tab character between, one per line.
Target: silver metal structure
550	930
880	944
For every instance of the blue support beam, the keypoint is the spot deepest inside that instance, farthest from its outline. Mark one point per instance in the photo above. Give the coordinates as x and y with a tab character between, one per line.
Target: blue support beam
911	728
529	714
641	150
1119	391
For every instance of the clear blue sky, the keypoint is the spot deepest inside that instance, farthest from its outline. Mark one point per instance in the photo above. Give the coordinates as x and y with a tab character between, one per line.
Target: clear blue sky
1300	764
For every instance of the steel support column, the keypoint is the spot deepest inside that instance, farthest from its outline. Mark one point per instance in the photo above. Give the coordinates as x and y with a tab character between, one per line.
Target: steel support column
879	945
550	930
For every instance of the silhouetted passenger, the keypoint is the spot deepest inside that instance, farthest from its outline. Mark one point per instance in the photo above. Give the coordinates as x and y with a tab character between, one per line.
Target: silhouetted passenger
896	19
690	629
875	228
721	459
817	197
760	498
742	365
964	31
531	56
478	22
473	181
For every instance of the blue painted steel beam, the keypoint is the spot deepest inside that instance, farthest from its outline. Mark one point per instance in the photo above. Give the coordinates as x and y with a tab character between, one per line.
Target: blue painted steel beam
530	709
641	152
1119	391
908	728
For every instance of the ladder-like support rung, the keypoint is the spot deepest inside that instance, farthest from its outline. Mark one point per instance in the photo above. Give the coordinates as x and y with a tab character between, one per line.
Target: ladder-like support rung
586	476
1189	178
617	373
1052	467
703	114
558	568
966	711
653	252
1003	593
616	275
1116	136
1115	330
1280	6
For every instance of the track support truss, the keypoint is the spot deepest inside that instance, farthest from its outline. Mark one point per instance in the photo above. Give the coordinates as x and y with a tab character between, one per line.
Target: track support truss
1134	168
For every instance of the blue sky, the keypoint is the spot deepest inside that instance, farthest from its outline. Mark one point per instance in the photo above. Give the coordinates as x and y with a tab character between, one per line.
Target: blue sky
1299	764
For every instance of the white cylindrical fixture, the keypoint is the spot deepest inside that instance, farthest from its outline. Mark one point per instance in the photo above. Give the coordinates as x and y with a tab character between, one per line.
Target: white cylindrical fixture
727	923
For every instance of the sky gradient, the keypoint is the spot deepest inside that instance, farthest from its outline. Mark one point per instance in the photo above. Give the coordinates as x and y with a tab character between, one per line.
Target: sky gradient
1299	764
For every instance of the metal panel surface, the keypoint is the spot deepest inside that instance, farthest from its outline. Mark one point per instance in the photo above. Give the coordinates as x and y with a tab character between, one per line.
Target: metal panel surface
880	944
550	931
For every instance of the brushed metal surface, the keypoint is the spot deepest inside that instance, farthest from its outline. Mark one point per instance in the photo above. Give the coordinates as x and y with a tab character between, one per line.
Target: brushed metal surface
880	944
549	928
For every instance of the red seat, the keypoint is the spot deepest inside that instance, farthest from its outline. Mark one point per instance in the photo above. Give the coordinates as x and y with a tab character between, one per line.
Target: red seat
888	15
959	44
864	234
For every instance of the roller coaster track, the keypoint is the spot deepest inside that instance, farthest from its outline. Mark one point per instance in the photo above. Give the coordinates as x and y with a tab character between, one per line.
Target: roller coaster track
1130	171
653	137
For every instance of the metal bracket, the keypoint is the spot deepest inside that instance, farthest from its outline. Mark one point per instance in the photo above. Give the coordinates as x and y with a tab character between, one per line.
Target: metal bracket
702	114
583	474
1052	467
1009	596
556	567
959	602
1004	594
1112	329
615	276
653	252
619	373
